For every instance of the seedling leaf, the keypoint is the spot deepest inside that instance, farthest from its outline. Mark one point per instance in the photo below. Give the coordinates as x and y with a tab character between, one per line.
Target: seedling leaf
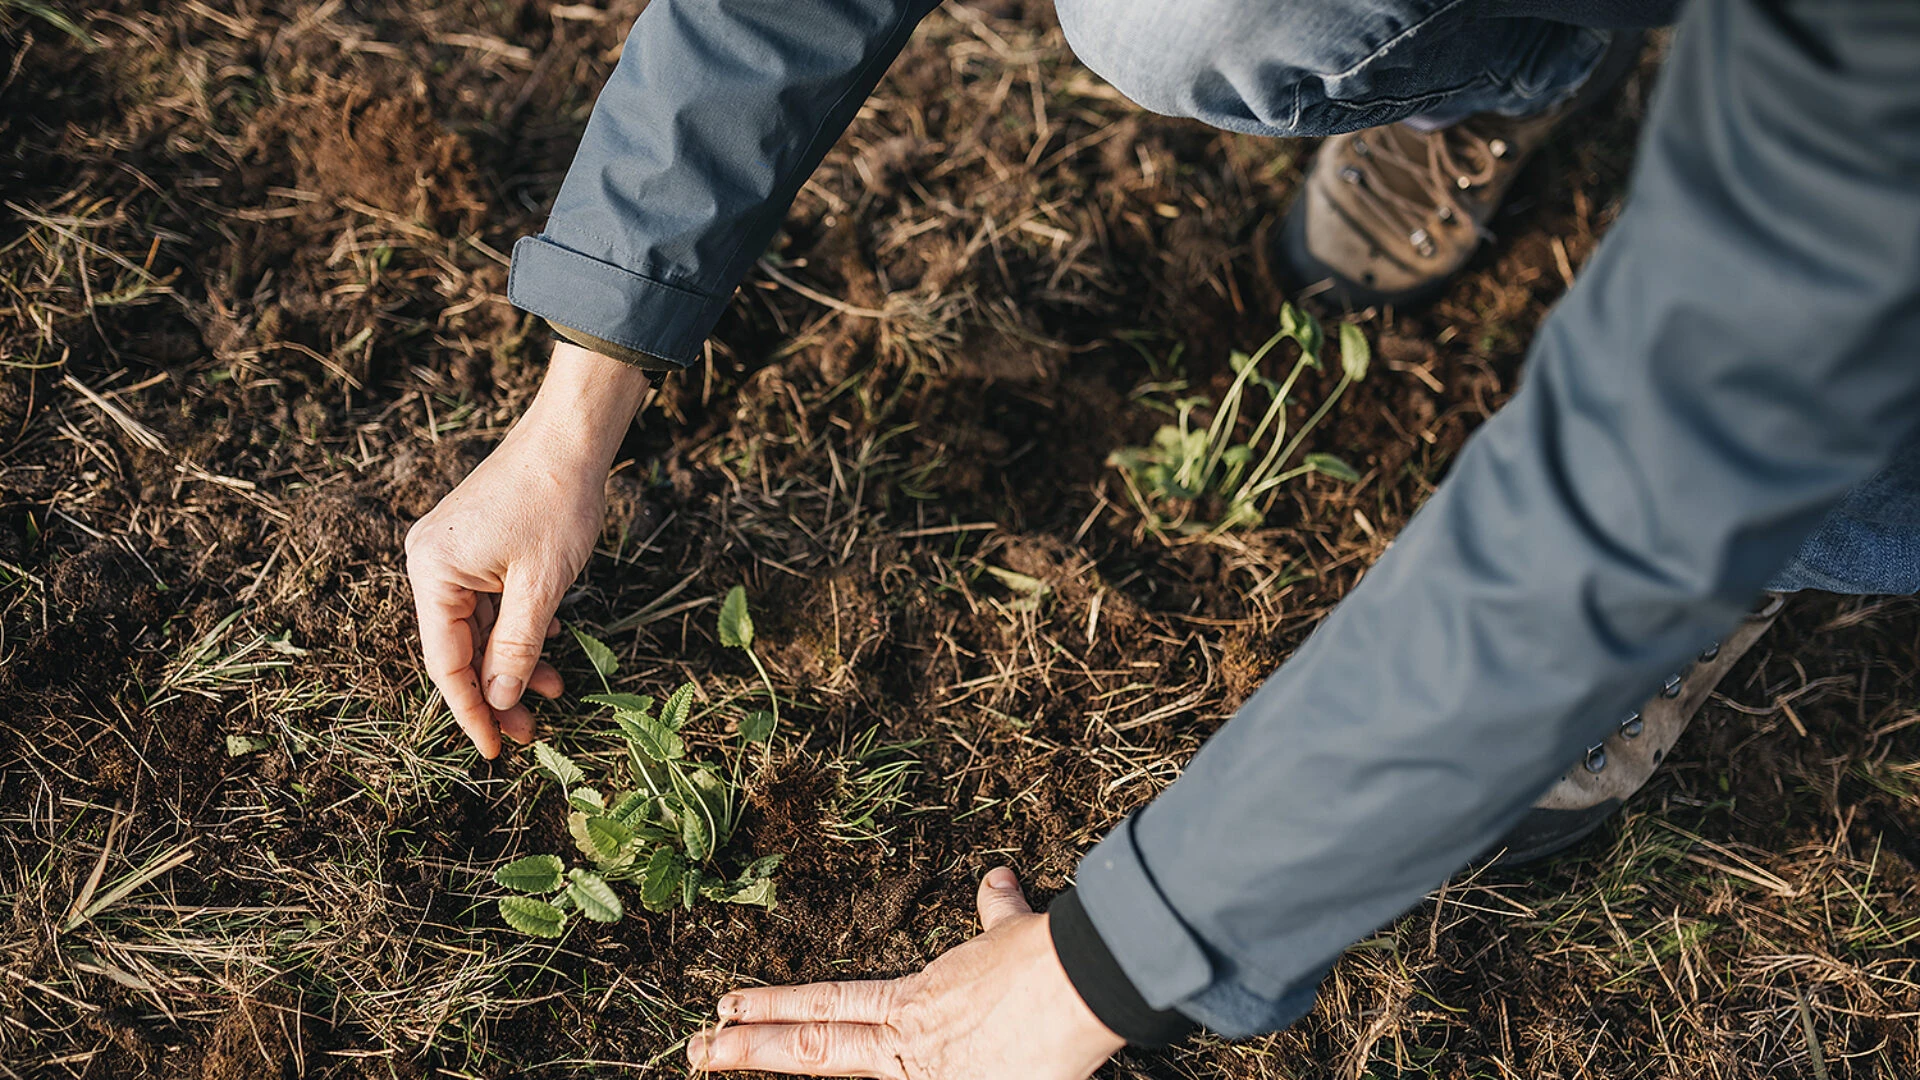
533	874
639	703
662	879
758	894
736	624
674	713
696	837
534	917
607	836
242	745
594	897
557	765
757	726
588	800
601	657
629	806
1331	466
651	737
763	867
1355	354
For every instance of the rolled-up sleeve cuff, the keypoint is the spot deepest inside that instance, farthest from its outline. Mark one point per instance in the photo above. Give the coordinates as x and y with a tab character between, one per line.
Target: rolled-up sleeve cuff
1160	956
610	302
1163	960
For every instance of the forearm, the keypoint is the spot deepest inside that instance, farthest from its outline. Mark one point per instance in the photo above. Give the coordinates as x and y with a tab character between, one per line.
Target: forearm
1738	355
586	402
716	114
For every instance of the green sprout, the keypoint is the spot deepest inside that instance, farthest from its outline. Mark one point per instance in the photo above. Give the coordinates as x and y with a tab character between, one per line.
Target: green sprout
664	829
1188	471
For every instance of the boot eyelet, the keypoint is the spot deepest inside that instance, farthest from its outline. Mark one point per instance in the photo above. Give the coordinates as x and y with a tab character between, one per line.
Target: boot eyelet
1672	689
1445	213
1499	148
1463	183
1360	148
1710	653
1632	727
1351	175
1422	243
1596	759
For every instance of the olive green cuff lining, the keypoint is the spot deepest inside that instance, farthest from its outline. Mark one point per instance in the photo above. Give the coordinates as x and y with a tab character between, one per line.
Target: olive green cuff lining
643	361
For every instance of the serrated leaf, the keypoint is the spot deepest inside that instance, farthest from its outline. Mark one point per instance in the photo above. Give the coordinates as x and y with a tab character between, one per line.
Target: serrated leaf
690	887
660	883
651	737
577	828
762	867
533	874
587	799
736	624
601	657
759	894
536	918
639	703
757	726
696	836
594	897
1331	466
557	765
678	707
1355	354
599	838
629	807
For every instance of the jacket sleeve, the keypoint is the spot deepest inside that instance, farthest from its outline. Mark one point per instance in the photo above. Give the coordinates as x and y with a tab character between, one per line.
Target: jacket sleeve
715	115
1743	349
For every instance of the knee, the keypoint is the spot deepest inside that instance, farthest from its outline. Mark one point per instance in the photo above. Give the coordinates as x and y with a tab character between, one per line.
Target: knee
1226	62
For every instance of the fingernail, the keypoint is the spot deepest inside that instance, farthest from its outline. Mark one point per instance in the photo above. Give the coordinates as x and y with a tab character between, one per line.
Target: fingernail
1002	878
729	1008
698	1049
503	692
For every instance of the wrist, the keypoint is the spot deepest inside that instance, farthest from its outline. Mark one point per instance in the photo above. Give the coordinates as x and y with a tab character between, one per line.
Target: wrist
585	403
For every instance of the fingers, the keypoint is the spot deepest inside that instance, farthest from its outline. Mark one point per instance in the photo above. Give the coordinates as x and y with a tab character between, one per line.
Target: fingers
843	1002
519	631
1000	898
546	681
447	645
799	1050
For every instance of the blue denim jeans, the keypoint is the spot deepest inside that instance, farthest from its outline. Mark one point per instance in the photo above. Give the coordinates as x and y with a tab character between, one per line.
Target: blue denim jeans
1303	68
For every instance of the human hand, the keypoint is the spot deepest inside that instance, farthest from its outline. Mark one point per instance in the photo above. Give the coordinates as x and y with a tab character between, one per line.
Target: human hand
998	1006
490	563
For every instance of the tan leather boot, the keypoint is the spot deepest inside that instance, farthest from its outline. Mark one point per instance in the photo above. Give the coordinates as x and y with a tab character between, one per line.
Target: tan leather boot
1388	215
1612	770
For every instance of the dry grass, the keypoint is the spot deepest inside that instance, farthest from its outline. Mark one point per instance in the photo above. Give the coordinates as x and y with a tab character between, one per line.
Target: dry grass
238	360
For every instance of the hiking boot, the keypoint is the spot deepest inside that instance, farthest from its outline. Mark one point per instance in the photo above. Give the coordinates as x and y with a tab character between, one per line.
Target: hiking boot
1389	214
1614	769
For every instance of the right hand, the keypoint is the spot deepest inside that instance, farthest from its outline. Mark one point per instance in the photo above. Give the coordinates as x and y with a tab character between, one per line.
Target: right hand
490	563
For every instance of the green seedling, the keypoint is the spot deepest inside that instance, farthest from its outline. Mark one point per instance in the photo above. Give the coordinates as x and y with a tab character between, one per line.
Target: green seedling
664	829
1195	480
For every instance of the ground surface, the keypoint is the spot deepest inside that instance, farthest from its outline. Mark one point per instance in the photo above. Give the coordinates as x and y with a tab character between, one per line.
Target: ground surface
252	326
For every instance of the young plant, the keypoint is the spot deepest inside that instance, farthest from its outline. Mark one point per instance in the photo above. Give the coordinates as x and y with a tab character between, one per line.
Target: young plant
1204	481
736	632
663	829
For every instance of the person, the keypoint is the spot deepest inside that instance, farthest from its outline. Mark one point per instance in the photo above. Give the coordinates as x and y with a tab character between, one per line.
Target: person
1725	402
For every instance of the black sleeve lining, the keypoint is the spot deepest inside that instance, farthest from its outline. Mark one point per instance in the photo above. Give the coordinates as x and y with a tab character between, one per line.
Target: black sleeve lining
1102	984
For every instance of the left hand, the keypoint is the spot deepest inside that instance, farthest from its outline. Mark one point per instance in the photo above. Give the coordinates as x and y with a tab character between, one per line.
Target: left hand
999	1006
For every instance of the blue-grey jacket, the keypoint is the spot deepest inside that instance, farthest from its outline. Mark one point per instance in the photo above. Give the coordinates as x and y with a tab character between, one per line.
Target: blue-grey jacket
1742	350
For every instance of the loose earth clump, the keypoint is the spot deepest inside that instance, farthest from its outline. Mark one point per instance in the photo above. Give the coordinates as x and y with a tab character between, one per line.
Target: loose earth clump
252	327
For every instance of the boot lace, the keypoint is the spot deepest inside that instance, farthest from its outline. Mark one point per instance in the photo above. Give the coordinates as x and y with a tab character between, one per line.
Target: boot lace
1432	180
